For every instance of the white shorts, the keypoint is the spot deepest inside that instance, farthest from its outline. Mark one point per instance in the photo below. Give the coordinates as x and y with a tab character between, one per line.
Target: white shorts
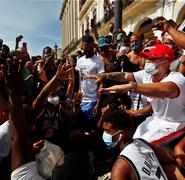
27	171
153	128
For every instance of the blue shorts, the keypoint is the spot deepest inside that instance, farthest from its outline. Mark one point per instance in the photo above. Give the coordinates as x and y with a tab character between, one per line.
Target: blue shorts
87	108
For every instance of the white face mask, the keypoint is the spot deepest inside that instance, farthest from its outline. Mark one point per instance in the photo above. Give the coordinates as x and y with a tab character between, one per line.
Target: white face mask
53	100
107	138
126	49
151	69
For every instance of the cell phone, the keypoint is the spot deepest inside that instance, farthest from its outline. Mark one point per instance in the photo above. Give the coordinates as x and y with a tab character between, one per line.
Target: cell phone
154	23
24	46
92	22
172	23
19	38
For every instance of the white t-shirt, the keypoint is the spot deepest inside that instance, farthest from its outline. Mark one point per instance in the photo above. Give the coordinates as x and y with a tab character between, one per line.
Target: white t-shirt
168	114
138	101
143	160
5	143
26	171
89	66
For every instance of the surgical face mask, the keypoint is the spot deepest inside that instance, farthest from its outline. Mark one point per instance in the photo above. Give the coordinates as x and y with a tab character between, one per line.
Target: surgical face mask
107	138
136	47
151	69
118	46
53	100
126	49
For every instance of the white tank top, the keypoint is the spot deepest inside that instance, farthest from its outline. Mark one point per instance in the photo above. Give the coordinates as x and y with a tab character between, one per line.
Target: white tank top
143	160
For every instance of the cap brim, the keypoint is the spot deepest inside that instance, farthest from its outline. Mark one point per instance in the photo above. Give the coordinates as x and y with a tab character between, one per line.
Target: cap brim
149	55
103	45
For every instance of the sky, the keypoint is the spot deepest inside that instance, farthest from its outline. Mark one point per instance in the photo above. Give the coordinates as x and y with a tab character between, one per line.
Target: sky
37	20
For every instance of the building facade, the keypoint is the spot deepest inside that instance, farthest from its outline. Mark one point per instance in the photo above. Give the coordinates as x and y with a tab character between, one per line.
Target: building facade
77	15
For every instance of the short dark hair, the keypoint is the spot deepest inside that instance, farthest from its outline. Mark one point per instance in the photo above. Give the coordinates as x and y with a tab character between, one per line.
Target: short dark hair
118	119
138	35
6	48
47	47
87	39
74	167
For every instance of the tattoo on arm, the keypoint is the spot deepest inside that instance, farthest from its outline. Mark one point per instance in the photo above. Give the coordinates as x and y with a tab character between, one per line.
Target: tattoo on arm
119	76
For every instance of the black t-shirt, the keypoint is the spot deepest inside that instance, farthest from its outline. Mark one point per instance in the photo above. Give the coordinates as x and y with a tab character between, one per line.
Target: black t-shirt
49	125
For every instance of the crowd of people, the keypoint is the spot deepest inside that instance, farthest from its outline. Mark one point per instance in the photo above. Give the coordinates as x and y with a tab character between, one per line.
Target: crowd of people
113	110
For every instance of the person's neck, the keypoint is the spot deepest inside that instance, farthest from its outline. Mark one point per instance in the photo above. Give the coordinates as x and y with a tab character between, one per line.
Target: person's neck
89	55
127	137
160	75
137	52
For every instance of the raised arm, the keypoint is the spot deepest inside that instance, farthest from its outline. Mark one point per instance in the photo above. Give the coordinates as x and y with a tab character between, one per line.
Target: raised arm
178	36
160	89
144	111
115	76
61	74
71	79
17	40
22	150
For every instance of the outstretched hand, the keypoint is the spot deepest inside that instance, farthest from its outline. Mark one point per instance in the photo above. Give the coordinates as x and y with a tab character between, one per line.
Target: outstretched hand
99	77
119	89
63	72
18	38
160	23
106	109
77	98
13	72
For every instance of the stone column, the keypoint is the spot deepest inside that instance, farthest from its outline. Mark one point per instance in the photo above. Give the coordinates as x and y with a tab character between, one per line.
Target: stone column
118	15
100	10
169	9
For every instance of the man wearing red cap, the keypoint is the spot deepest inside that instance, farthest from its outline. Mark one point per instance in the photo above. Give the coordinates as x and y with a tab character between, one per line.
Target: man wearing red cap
165	90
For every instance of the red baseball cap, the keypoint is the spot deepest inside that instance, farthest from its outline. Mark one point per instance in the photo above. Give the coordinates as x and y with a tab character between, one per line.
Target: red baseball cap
159	51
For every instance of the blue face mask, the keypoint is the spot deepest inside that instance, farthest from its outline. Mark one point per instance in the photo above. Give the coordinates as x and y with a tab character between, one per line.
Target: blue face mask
136	47
107	138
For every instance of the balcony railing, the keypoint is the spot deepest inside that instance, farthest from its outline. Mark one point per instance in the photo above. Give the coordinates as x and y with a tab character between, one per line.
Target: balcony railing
109	8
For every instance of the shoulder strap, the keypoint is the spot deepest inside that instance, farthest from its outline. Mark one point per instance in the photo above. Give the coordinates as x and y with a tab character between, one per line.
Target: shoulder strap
139	100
